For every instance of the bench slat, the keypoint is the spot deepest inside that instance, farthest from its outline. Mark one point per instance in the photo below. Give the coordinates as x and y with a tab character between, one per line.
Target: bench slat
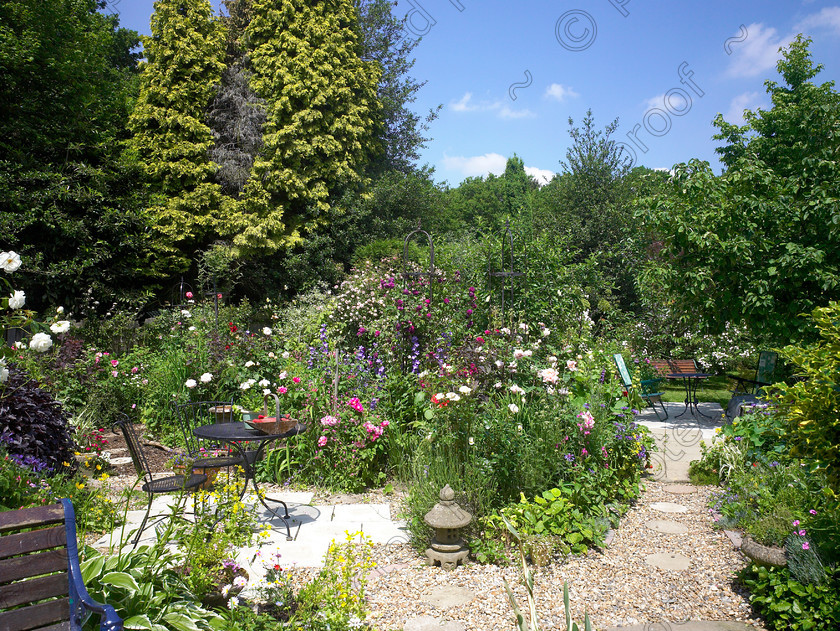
35	589
16	568
40	615
29	517
32	541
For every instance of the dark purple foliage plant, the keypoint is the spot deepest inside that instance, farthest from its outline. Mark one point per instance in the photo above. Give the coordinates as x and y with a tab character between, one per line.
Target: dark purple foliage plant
34	427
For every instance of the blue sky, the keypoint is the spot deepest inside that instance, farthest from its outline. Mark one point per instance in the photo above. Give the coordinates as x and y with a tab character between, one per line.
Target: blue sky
510	74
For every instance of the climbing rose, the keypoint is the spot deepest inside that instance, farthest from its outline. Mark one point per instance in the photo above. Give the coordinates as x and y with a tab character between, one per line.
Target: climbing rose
40	342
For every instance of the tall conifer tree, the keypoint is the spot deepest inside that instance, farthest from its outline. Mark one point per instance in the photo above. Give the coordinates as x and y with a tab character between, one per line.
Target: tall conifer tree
185	60
321	107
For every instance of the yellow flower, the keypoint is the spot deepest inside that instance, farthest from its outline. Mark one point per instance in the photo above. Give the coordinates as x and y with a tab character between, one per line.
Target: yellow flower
65	464
80	485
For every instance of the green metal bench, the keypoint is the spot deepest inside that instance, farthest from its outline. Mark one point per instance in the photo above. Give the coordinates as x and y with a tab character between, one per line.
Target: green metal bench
648	388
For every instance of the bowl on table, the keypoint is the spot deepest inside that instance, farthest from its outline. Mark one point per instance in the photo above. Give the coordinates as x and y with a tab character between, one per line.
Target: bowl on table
271	424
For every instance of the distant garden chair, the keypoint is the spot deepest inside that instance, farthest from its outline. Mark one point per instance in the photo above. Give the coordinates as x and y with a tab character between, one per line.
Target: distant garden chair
206	455
763	375
748	392
151	485
648	388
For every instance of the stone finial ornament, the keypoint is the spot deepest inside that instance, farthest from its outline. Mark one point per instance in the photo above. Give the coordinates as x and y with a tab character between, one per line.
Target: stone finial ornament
446	517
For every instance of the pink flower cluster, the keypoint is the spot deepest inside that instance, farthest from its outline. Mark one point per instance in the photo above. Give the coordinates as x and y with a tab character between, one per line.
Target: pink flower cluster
375	431
356	405
588	422
329	421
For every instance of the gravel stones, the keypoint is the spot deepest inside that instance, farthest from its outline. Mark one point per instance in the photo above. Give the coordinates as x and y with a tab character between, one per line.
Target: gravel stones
429	623
615	585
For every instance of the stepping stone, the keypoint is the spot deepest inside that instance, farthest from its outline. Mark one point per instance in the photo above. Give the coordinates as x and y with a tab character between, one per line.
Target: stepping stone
120	461
428	623
668	507
666	526
675	562
680	489
448	596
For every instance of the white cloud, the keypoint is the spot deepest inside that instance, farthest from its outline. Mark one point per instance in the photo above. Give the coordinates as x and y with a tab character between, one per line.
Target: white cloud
464	104
495	163
655	101
758	53
828	18
476	165
745	101
505	111
542	176
560	92
502	109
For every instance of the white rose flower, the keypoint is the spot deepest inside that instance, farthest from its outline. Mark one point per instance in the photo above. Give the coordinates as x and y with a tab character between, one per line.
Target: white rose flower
546	332
464	389
472	440
516	389
453	396
285	355
17	300
245	385
206	377
185	313
518	353
283	375
4	374
40	342
271	355
513	407
191	383
59	310
528	353
249	363
9	261
62	326
266	330
264	383
266	391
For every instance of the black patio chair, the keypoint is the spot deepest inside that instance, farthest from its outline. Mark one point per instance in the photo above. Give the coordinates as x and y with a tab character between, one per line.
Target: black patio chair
195	414
151	485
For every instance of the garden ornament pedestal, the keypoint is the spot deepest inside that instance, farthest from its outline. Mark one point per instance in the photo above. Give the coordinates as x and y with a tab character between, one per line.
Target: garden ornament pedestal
446	517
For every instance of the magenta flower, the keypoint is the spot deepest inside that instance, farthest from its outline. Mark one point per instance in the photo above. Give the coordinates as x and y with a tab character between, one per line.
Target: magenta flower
795	522
282	390
801	533
296	379
812	511
805	546
322	441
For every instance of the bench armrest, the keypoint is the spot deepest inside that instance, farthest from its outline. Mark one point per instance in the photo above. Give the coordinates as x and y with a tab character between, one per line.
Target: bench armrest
80	601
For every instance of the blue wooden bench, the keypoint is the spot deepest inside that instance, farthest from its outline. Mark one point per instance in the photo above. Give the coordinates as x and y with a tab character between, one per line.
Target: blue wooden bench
41	584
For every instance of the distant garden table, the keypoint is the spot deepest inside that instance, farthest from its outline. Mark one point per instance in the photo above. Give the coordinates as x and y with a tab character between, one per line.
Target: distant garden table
237	435
690	382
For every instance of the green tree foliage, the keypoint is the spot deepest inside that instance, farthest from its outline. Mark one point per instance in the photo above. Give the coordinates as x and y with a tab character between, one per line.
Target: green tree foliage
68	201
811	406
321	110
761	242
485	204
184	63
400	132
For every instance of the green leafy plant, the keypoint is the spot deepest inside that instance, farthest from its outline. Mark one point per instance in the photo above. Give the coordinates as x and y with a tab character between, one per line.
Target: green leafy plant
809	406
788	605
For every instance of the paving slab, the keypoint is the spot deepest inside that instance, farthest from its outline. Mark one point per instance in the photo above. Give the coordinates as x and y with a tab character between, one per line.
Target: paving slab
448	596
672	561
430	623
667	527
668	507
689	625
680	489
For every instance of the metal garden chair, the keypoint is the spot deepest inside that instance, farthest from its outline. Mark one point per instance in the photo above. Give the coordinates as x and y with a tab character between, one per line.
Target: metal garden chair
154	486
648	387
206	455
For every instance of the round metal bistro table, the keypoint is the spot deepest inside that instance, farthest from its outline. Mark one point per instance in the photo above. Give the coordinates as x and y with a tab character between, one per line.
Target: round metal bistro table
690	382
237	435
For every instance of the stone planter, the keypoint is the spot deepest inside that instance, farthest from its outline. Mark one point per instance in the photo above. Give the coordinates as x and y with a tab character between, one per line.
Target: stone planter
763	555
